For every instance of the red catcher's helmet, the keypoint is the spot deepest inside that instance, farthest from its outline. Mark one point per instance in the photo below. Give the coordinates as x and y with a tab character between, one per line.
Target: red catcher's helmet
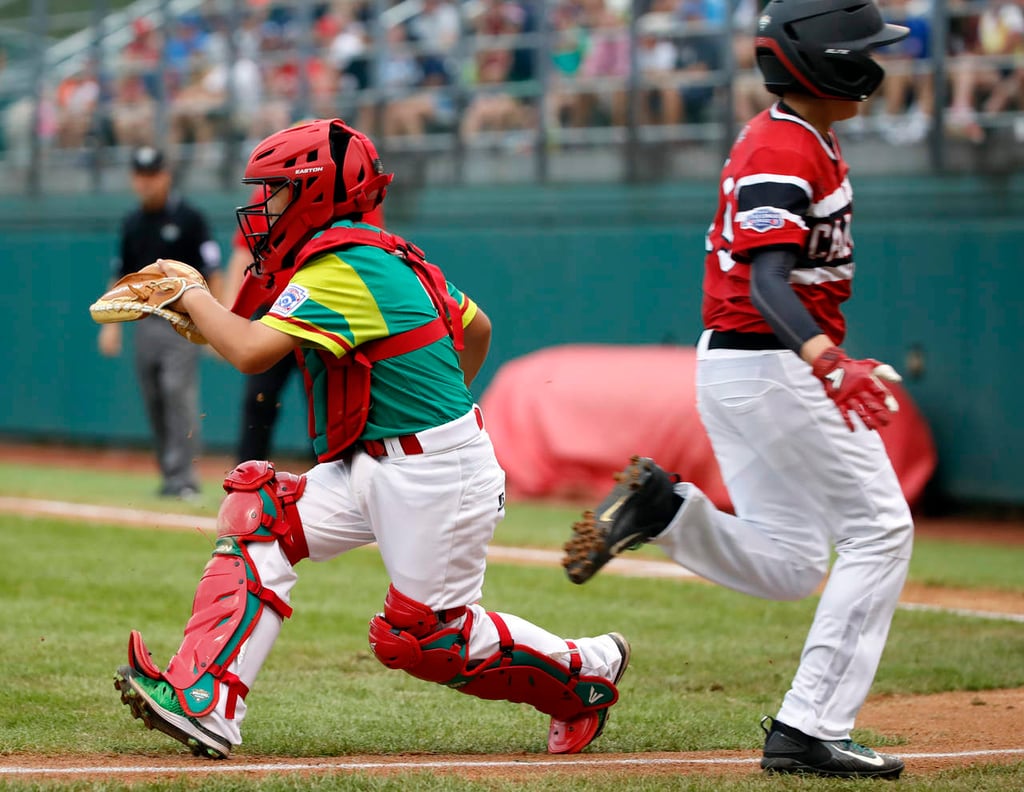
823	47
331	171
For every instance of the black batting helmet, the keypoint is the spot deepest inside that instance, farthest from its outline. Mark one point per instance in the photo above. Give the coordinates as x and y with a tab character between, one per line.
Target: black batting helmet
823	47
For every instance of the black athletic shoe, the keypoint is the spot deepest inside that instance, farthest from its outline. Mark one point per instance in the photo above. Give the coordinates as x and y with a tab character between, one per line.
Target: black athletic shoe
788	750
638	508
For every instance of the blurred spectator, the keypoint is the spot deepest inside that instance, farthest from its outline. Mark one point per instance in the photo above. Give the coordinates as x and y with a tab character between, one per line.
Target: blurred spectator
432	108
492	108
436	30
227	32
907	92
989	76
398	77
569	44
198	106
284	101
133	112
77	100
141	55
499	20
524	54
962	35
415	101
245	91
605	67
701	24
249	37
659	100
748	92
24	122
281	14
348	50
185	43
324	80
348	57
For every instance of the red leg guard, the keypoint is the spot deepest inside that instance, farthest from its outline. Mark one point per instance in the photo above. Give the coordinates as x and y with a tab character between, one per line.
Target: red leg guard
407	637
521	674
260	507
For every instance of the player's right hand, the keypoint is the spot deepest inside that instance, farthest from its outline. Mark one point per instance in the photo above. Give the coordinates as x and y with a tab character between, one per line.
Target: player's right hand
856	386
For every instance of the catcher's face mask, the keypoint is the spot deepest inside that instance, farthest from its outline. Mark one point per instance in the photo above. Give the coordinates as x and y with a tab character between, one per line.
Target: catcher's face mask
257	220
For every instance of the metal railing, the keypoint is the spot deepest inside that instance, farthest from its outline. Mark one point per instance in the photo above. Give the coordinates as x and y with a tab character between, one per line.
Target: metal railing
558	125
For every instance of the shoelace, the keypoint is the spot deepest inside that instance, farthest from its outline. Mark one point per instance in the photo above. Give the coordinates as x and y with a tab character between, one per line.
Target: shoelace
850	745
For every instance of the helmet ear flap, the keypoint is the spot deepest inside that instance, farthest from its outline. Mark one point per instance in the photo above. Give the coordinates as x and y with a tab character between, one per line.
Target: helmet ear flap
360	181
776	78
861	78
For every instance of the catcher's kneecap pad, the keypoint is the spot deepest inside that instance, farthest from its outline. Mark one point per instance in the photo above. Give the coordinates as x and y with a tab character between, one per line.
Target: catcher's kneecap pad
148	292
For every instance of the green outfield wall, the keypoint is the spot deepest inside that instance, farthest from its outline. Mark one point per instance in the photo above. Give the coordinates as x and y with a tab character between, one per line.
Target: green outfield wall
939	281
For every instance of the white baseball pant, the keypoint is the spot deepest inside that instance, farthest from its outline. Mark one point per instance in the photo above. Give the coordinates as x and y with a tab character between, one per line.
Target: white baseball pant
801	485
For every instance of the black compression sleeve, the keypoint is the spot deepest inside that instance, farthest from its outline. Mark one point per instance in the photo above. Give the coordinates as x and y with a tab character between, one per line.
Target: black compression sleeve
772	295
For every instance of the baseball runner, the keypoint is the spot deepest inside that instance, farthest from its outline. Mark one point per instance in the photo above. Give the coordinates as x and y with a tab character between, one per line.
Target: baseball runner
789	414
388	349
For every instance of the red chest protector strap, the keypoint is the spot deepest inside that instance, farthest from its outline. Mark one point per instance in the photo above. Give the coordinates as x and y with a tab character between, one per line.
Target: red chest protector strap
348	377
430	275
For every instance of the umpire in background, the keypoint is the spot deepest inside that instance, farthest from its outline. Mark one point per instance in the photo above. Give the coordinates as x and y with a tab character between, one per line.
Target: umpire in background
167	365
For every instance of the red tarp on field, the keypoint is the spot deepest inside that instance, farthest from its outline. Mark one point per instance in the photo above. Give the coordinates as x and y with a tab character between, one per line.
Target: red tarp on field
563	419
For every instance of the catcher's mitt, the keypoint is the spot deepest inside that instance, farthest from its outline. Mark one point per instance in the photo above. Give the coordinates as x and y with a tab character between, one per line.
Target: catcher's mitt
148	292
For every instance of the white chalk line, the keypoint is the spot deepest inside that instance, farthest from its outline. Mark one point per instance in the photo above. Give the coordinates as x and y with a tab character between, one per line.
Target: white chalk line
921	606
627	567
139	518
205	766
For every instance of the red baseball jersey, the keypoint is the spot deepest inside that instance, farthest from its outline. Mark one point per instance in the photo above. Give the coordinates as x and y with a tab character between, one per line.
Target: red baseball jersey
783	184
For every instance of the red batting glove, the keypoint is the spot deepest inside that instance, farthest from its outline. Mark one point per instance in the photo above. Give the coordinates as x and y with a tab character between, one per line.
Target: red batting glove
856	386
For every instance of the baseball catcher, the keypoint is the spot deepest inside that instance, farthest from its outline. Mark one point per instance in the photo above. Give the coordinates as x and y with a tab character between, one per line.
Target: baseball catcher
150	292
388	349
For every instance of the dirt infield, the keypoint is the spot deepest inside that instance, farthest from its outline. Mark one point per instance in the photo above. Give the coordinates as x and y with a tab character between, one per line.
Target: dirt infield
935	733
932	732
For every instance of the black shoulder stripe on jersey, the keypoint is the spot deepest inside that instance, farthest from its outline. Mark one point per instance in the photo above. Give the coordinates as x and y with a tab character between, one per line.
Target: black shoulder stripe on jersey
781	195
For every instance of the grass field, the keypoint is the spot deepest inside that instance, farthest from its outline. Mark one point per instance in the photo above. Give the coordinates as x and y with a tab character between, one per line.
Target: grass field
707	662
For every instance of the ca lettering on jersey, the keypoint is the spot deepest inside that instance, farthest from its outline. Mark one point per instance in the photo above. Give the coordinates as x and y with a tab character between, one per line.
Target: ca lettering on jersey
830	240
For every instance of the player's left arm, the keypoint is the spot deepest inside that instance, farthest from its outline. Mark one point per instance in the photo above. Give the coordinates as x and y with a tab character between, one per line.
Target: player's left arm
476	331
477	342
